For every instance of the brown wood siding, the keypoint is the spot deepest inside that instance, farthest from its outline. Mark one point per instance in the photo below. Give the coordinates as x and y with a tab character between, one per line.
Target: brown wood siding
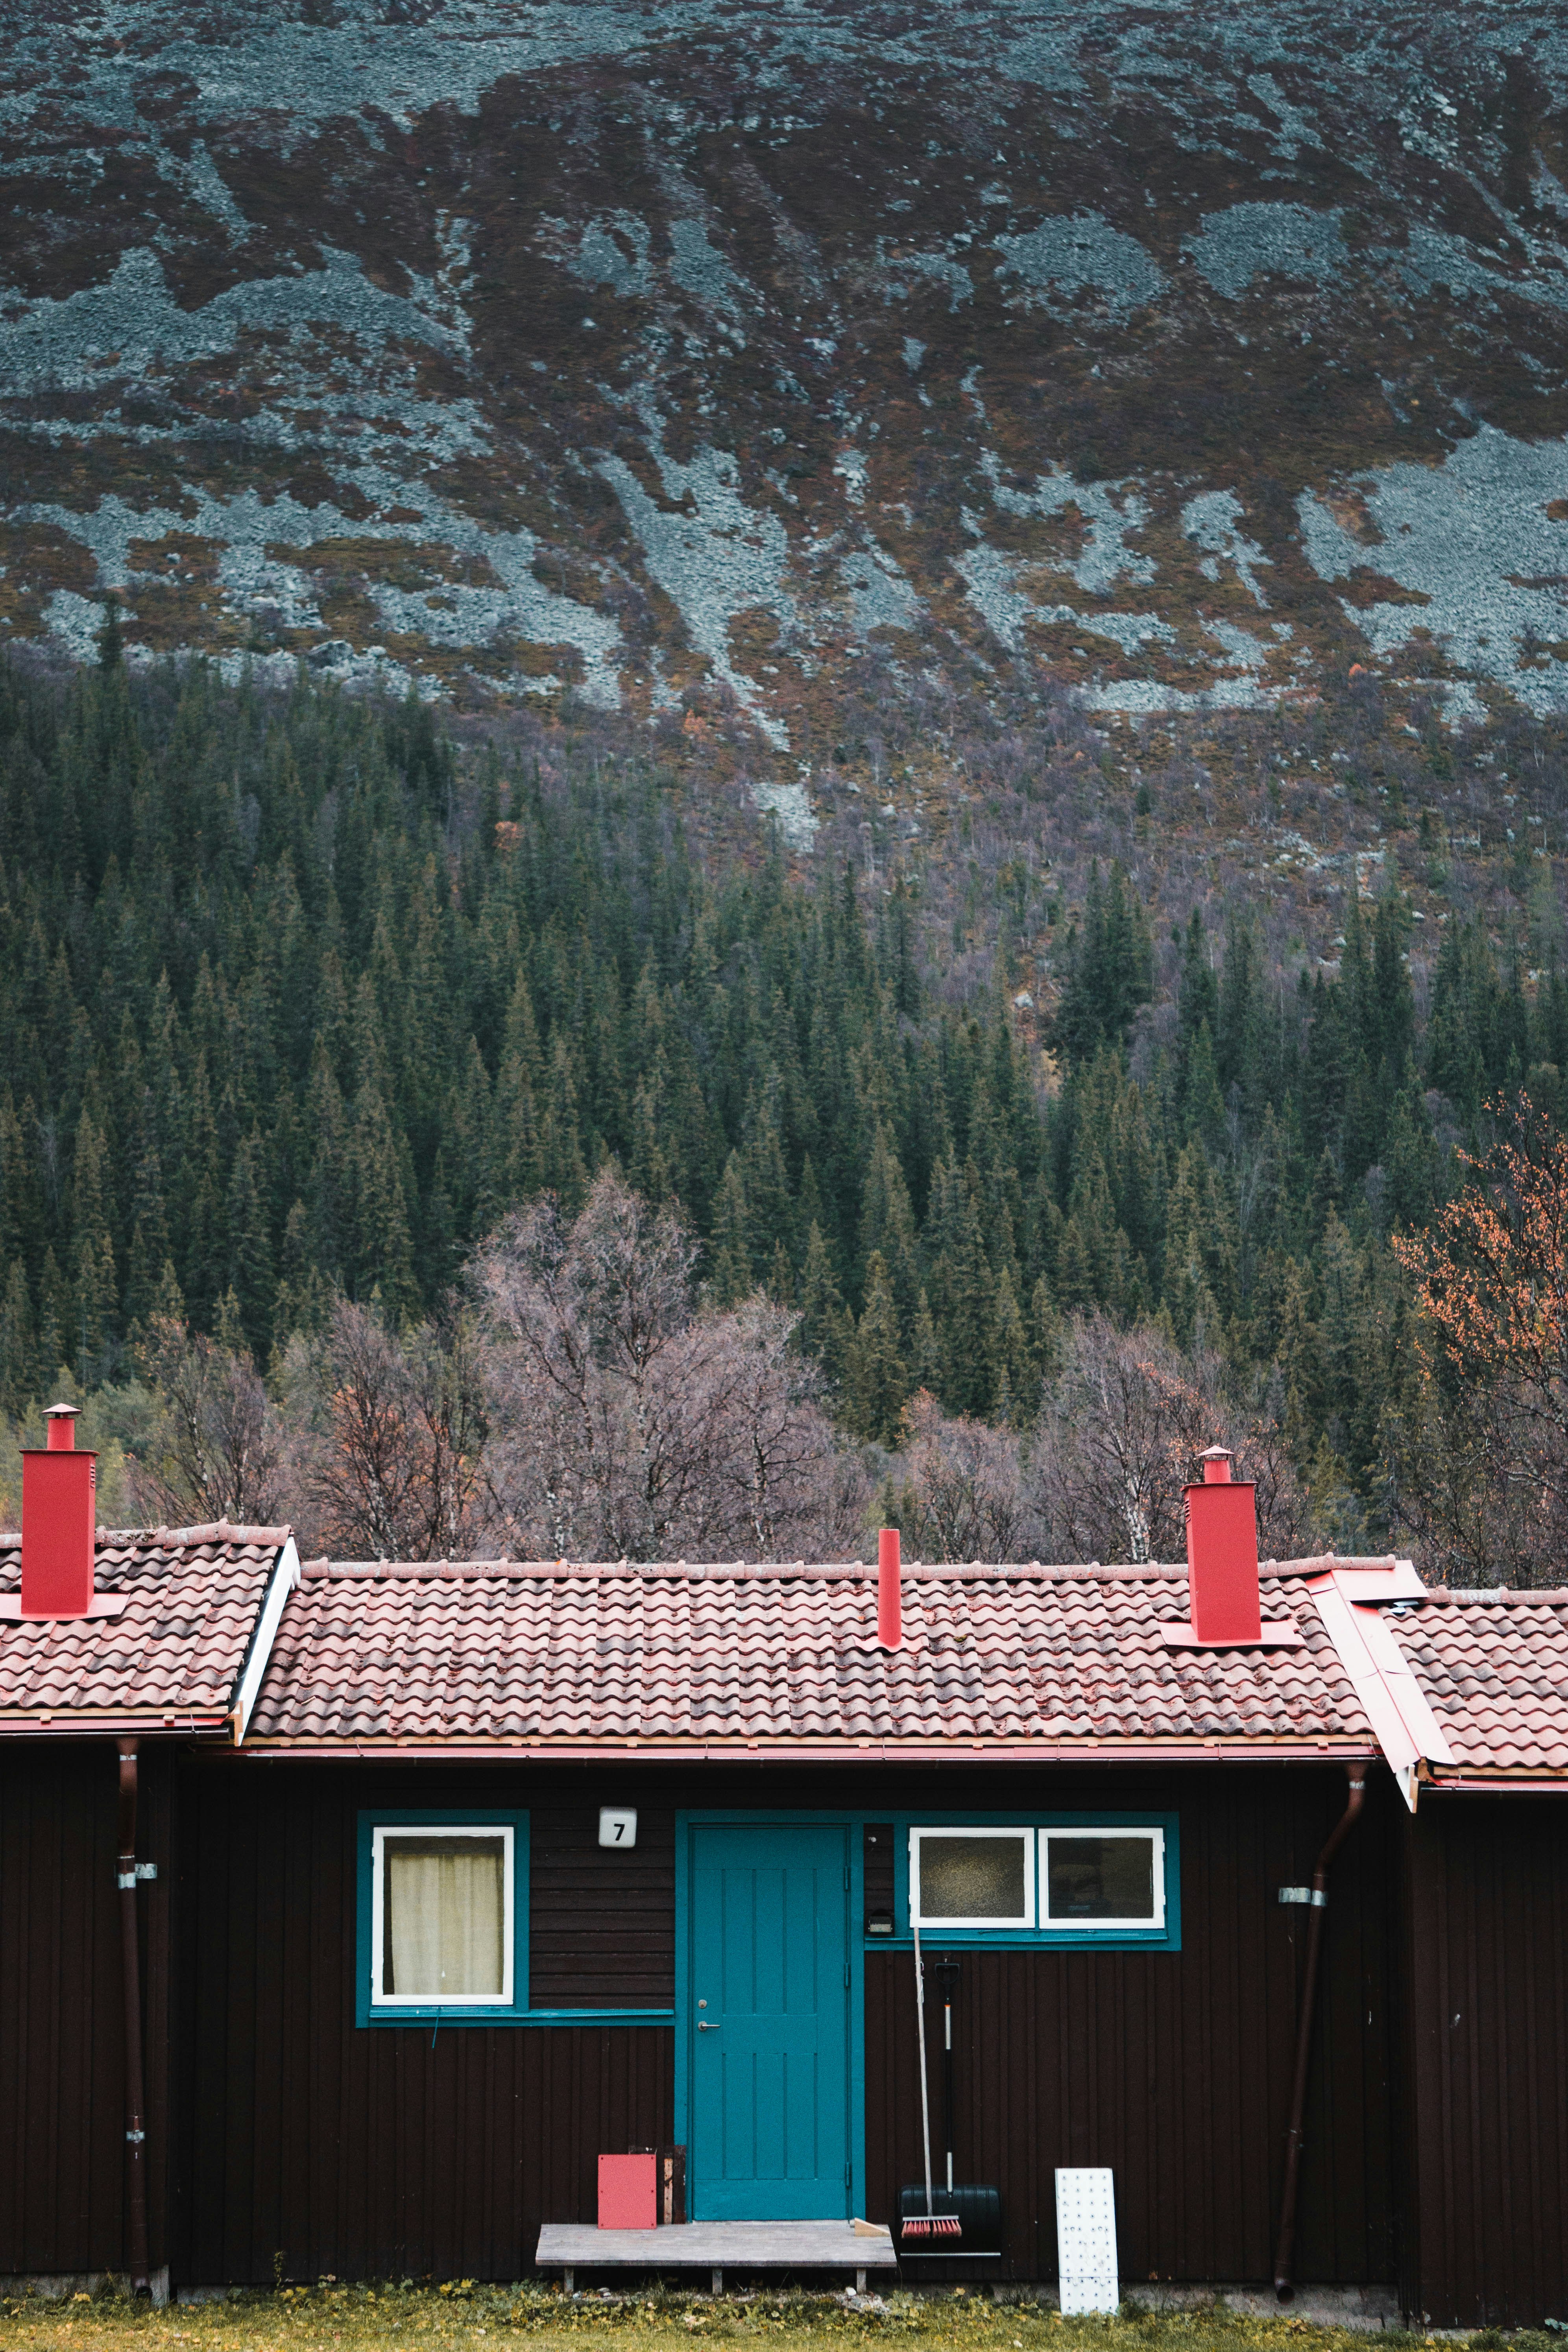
1173	2068
404	2152
1488	1917
62	2082
315	2145
602	1924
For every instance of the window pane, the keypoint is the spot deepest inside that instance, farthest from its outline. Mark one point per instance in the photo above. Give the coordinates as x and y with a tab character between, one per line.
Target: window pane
442	1934
971	1877
1099	1878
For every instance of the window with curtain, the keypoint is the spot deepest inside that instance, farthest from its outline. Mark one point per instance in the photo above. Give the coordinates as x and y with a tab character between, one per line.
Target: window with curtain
442	1902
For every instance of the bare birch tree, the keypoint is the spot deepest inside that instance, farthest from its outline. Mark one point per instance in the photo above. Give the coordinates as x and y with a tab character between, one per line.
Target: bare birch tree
1125	1419
956	1491
388	1434
218	1449
627	1423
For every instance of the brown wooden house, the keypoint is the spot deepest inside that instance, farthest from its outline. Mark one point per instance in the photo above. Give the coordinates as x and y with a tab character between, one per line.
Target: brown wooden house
348	1912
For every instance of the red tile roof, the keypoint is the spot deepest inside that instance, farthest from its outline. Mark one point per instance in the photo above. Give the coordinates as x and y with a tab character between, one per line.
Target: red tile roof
783	1659
171	1662
1493	1668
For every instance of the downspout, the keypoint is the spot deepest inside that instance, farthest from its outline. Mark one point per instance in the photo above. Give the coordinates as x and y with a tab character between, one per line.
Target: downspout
135	2100
1283	2285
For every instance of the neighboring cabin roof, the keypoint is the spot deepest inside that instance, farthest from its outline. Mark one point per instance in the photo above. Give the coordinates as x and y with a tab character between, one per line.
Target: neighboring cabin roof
782	1661
1493	1668
197	1600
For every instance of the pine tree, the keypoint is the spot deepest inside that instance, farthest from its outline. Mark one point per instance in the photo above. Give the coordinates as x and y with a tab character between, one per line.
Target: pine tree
967	1329
381	1252
1017	1381
730	1279
56	1316
96	1291
825	1328
877	1380
925	1354
251	1277
19	1367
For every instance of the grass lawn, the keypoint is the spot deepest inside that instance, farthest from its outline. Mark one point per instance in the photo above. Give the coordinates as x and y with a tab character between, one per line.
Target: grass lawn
332	2318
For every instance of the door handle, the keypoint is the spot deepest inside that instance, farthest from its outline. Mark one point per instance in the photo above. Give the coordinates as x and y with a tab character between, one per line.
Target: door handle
703	2026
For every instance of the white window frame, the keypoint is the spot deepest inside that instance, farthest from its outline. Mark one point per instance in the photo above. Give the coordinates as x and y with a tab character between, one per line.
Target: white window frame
1020	1832
423	1831
1077	1925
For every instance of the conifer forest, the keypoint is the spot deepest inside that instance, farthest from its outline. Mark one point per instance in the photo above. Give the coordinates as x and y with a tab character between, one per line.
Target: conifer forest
1016	1162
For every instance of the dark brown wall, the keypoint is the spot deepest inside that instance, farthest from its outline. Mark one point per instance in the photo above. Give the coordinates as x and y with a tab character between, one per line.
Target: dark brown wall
391	2150
1488	2060
601	1924
309	2144
62	2082
1175	2068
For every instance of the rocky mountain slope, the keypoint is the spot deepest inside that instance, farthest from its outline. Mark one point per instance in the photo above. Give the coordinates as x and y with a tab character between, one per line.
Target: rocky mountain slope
1185	356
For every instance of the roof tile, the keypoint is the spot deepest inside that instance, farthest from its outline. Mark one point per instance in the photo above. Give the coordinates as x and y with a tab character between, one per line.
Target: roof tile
1495	1673
778	1654
192	1596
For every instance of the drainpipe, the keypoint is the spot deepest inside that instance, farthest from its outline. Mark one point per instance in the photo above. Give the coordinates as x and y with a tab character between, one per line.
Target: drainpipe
1283	2285
135	2101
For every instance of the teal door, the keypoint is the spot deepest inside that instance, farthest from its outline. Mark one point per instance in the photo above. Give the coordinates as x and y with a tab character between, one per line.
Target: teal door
769	2030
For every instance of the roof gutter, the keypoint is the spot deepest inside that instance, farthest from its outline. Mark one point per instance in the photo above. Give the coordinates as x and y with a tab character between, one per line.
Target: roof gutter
112	1723
366	1747
1498	1786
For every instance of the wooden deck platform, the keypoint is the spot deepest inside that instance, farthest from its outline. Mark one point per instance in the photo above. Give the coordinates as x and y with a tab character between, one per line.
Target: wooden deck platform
717	2246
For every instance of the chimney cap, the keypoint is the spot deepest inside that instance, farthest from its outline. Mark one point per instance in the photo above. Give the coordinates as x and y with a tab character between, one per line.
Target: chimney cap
1216	1454
57	1411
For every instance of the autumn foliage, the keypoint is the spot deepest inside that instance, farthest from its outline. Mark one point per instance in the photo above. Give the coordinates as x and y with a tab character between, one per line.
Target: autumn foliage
1485	1452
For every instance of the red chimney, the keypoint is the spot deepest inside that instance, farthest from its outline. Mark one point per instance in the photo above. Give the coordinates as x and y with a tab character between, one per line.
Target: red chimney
890	1596
59	1510
1222	1554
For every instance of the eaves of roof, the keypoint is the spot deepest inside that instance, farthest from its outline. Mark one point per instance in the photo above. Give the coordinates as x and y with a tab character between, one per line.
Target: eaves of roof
947	1753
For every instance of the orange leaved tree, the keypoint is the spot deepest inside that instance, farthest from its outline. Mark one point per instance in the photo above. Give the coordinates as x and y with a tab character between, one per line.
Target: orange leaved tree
1484	1451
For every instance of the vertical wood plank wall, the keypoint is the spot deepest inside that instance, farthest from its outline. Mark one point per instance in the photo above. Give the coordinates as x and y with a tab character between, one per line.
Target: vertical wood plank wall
62	2082
309	2145
313	2145
1488	2056
1175	2068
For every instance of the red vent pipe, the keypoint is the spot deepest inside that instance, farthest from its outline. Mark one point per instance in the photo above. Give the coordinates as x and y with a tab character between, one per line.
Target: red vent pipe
59	1510
890	1595
1222	1554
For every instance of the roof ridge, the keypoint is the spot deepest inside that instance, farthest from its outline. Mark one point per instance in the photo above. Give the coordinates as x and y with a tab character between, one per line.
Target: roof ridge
1494	1596
322	1569
206	1531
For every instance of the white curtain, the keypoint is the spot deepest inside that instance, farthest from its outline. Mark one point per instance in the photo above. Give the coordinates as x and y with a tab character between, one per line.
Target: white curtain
443	1919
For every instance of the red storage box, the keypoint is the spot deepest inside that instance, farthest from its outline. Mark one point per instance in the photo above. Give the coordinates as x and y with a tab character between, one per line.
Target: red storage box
628	2192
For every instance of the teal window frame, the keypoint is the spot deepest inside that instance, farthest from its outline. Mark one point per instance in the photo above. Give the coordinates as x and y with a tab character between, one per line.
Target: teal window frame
513	2012
1042	1935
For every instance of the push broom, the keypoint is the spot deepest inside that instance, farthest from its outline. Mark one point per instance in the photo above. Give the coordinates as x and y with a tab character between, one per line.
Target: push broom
922	2228
968	2227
